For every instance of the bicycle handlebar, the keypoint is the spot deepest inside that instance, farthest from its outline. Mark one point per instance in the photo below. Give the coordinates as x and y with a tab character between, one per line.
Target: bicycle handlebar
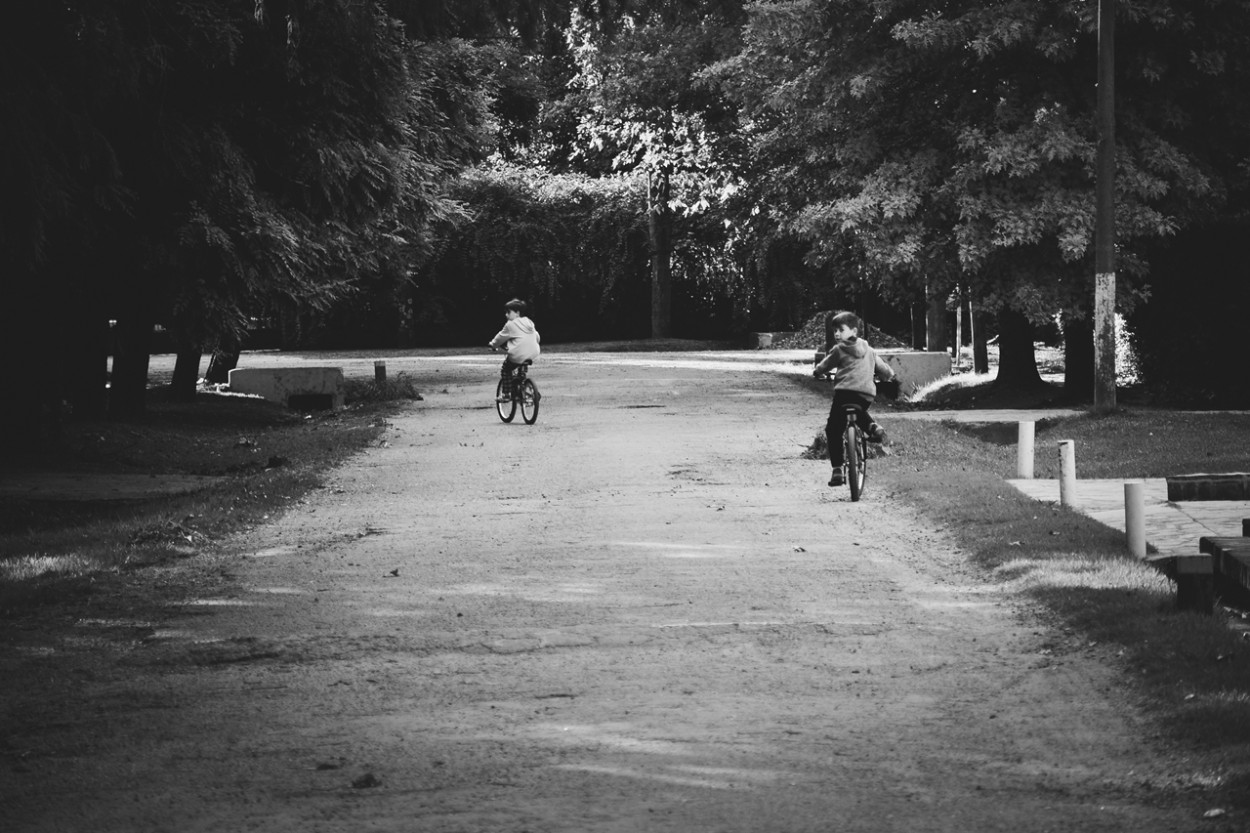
879	381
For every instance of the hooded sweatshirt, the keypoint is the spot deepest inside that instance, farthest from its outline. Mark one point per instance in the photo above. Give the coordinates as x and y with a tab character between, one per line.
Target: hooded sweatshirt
854	366
522	340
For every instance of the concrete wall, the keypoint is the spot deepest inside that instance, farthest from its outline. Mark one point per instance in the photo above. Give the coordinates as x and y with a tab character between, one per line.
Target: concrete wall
758	341
916	369
279	384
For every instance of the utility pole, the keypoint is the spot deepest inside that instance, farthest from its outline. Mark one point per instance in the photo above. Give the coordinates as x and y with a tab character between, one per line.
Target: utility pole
1104	240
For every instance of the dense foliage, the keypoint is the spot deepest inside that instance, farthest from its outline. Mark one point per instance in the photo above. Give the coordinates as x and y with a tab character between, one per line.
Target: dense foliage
384	172
953	144
201	163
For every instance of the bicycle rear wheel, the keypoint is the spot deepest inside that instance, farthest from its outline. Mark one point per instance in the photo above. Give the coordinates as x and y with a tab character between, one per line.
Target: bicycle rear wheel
529	402
854	448
506	410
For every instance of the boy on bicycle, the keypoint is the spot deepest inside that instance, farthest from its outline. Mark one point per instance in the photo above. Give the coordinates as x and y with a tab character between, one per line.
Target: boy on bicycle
521	338
854	366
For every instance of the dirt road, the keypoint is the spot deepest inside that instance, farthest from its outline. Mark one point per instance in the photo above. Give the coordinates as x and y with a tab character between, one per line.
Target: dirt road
644	613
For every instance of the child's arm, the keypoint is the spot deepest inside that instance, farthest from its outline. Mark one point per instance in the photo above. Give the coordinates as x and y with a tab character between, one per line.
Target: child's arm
501	337
824	365
883	370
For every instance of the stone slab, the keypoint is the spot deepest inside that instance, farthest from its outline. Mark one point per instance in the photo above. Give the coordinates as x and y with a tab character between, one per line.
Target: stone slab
280	384
1225	486
759	341
916	369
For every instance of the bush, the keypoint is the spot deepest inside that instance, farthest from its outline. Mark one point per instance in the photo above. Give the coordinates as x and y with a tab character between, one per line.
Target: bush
391	389
1193	325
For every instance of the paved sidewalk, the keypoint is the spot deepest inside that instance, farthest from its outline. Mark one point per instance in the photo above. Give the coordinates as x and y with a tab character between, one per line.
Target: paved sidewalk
989	414
1172	528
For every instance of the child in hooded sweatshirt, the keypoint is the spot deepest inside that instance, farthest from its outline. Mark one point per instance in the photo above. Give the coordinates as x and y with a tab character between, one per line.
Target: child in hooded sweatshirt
854	366
521	339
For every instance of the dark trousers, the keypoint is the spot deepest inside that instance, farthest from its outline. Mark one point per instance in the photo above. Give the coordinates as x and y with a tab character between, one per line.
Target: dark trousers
837	420
506	371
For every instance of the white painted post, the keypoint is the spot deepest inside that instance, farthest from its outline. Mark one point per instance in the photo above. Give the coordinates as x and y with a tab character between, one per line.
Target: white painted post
1024	451
1067	472
1134	517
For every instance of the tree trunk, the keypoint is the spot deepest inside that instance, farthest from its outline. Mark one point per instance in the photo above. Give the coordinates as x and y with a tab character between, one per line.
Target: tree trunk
84	362
223	361
980	342
919	309
186	374
29	418
957	343
936	331
1017	365
130	365
660	231
1078	358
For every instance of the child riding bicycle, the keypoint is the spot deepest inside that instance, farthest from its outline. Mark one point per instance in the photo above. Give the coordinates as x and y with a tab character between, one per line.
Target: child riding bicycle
854	366
521	338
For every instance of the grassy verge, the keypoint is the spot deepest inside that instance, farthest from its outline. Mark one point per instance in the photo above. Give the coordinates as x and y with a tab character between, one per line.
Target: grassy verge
1191	672
259	458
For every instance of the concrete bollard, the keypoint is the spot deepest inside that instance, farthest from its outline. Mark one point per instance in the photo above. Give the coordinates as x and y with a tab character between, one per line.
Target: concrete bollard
1024	451
1134	517
379	371
1067	472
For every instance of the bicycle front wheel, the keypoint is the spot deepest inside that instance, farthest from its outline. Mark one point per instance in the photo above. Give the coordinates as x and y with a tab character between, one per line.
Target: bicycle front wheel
506	410
854	448
529	402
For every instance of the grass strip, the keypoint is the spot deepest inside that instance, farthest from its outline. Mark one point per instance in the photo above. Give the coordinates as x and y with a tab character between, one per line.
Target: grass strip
1190	672
263	458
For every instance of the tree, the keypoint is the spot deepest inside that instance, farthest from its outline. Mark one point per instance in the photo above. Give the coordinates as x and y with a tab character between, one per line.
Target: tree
198	162
574	246
641	113
951	144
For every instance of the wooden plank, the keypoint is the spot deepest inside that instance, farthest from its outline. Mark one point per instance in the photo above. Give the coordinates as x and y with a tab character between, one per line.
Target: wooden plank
1227	486
1194	565
1194	576
1212	544
1234	566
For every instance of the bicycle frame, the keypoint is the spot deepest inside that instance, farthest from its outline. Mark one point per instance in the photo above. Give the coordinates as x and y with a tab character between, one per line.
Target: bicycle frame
854	452
523	393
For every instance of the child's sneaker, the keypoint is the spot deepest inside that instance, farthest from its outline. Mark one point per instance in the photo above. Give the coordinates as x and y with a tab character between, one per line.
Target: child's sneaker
503	399
836	478
876	434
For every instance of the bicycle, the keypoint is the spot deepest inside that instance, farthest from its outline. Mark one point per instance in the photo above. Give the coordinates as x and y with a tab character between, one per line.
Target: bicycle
524	395
854	450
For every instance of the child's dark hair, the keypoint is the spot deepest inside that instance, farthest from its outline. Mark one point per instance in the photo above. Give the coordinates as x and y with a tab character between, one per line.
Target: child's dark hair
850	319
516	305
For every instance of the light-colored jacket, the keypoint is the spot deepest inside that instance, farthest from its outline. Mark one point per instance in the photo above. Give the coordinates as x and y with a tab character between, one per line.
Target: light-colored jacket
854	366
522	339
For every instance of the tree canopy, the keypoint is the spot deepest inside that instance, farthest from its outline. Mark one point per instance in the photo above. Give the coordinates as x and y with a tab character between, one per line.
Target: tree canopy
203	163
194	163
955	141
